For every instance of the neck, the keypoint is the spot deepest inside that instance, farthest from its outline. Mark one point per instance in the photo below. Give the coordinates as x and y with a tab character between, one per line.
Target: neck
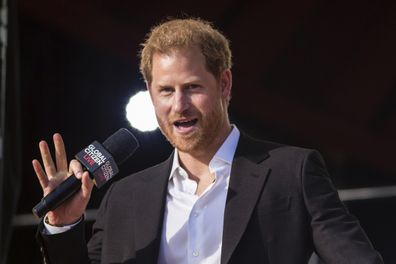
196	162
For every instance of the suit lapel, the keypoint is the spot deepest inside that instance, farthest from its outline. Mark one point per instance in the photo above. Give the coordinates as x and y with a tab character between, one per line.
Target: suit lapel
150	194
248	176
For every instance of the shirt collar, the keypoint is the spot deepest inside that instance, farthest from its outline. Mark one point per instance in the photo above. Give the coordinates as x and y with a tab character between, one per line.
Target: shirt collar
224	155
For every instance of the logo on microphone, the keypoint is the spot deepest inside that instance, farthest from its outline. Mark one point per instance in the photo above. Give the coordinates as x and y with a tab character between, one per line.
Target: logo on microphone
99	162
93	155
108	171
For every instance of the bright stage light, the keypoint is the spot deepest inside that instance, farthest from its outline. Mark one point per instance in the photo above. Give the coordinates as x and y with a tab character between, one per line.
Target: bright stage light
140	112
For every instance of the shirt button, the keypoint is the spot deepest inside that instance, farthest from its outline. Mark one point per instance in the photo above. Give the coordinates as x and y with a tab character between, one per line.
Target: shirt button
196	214
195	253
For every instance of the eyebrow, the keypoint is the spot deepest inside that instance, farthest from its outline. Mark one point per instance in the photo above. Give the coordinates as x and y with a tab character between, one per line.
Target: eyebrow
189	82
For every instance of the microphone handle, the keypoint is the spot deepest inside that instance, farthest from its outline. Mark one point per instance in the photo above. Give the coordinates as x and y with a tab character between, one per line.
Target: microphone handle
55	198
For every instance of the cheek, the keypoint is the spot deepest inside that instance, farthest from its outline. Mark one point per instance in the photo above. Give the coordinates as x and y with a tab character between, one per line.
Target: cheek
203	102
209	104
159	107
159	113
163	115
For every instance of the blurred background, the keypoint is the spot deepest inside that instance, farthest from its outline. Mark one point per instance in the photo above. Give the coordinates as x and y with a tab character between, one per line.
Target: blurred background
314	73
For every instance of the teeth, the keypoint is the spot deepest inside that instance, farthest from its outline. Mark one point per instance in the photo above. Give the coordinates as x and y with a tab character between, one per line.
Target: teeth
185	123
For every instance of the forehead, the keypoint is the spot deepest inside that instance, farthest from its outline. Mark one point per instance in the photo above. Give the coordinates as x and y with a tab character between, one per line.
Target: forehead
179	63
182	55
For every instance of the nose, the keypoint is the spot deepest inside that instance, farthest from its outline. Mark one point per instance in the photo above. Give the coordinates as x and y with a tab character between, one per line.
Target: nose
181	102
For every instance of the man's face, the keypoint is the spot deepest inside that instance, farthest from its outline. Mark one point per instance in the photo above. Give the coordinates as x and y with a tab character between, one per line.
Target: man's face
190	103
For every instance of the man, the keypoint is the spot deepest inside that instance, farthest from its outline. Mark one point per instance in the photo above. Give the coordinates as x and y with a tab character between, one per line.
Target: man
221	197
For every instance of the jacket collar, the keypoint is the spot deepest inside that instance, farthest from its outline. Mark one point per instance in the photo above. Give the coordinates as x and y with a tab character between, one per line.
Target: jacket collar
150	196
248	177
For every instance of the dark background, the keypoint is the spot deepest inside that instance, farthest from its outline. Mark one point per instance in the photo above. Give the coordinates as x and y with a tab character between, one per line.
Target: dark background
313	73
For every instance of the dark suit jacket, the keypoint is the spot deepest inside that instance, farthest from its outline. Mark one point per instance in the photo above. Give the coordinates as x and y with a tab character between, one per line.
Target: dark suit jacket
281	206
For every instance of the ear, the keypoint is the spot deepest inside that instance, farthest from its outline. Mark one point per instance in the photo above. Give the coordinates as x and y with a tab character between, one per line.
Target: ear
148	87
226	83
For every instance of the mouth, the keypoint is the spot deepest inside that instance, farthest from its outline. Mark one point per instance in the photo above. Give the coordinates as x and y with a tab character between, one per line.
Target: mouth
185	125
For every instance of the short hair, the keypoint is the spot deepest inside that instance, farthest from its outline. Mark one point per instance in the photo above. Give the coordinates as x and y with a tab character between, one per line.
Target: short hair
184	33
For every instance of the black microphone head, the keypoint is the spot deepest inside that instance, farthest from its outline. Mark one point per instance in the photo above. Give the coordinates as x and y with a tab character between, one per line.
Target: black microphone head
121	145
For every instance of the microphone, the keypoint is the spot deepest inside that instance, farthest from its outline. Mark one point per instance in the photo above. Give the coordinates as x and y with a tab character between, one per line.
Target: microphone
99	160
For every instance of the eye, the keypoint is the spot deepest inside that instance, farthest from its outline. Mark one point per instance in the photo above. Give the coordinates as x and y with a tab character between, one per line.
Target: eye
166	90
193	86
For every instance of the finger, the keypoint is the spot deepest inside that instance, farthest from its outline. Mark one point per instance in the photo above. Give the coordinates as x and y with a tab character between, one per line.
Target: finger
60	153
76	168
86	186
47	159
42	177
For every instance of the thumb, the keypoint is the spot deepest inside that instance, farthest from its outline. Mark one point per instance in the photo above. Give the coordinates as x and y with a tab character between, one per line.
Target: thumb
86	186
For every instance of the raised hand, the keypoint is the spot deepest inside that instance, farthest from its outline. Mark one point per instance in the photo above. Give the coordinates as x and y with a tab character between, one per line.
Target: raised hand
53	174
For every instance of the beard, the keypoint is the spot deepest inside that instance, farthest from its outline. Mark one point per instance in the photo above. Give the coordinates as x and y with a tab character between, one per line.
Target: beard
206	134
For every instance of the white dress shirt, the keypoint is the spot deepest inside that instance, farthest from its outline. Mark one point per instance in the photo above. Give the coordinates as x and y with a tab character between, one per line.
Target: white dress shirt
193	225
